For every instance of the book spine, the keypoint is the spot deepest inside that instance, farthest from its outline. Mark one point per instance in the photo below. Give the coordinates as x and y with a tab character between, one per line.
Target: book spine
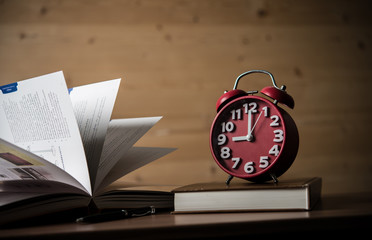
314	192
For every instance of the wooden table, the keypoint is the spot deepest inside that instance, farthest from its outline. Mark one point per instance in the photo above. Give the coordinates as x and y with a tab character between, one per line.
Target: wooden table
339	215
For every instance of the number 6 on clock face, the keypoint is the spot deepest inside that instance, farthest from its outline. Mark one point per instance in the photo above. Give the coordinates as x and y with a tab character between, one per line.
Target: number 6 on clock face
249	138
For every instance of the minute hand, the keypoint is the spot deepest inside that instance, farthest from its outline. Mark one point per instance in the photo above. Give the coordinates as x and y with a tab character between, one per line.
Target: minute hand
249	123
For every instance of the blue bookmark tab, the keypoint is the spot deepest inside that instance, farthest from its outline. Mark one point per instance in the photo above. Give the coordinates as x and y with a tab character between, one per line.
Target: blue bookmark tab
9	88
70	90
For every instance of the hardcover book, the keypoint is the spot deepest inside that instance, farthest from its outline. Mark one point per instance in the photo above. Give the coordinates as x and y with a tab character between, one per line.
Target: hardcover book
285	195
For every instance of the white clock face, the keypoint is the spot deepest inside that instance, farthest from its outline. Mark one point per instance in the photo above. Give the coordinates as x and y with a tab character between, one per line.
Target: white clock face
247	136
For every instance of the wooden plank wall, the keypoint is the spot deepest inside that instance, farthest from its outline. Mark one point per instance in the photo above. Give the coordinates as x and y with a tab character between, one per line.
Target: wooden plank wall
177	58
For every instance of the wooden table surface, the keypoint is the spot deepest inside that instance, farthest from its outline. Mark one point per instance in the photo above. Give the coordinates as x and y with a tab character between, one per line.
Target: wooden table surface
339	215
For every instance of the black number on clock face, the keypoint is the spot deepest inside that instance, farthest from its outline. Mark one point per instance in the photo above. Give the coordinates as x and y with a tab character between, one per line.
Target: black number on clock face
247	136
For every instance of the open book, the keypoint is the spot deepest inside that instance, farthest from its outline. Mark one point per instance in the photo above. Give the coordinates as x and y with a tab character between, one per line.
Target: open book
59	149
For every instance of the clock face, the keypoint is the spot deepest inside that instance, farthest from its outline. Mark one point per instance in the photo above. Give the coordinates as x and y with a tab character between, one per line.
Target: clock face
247	137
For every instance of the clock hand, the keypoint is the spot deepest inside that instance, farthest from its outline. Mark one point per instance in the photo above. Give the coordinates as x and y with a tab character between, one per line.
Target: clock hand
240	138
250	136
249	123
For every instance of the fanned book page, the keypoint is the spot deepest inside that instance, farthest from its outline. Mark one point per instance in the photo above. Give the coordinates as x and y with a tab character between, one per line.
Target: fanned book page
118	153
131	160
93	105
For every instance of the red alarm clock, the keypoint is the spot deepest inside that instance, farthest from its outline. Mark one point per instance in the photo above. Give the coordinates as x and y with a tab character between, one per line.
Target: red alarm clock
252	137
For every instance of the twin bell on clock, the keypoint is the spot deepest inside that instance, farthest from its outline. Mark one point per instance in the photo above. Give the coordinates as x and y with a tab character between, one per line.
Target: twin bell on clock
252	137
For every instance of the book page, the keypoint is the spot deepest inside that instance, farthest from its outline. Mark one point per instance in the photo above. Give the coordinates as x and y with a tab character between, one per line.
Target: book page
133	159
93	105
18	165
37	115
121	135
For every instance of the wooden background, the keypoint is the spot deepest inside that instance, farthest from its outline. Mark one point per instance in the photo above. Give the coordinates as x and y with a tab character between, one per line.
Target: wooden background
177	58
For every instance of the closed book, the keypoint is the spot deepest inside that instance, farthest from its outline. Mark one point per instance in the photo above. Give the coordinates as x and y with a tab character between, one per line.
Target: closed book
301	194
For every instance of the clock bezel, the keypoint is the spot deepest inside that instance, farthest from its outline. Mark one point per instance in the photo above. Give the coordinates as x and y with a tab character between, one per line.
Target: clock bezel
274	167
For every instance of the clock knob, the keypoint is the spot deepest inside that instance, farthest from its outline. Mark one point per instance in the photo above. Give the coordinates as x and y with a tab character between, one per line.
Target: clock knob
228	96
279	95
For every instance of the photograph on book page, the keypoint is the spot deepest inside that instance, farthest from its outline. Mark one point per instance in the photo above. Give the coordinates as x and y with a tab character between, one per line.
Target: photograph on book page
18	165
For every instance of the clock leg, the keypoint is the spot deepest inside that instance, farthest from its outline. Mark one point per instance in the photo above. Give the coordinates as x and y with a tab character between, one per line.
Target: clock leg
274	178
229	178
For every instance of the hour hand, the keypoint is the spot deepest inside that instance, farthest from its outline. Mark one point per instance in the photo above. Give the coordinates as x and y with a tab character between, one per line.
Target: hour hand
240	138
